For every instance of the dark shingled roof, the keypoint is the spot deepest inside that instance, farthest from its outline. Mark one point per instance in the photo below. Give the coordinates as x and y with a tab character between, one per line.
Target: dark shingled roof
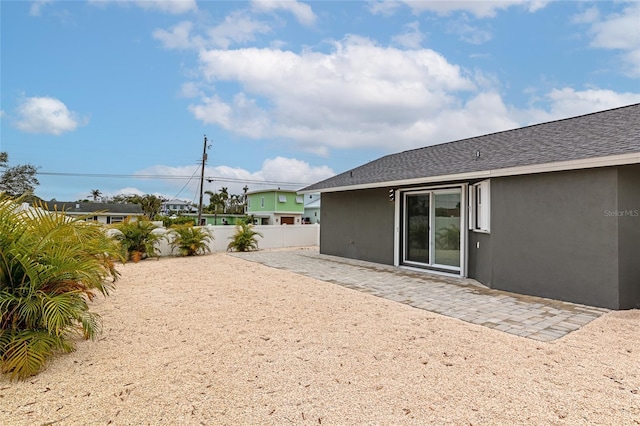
83	208
600	134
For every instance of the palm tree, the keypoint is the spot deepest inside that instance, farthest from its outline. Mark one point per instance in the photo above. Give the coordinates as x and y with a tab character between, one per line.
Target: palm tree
235	205
151	205
95	193
224	197
51	265
244	239
190	240
214	202
137	239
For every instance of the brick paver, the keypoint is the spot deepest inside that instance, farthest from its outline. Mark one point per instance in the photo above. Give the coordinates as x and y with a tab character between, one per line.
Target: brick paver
527	316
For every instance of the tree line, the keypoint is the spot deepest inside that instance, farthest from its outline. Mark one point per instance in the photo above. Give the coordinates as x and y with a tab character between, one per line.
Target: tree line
18	181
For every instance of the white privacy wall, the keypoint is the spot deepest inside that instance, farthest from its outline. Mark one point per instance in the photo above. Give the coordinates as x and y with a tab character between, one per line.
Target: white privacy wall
274	236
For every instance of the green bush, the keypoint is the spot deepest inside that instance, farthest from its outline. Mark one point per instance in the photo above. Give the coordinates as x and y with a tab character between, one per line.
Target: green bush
190	240
50	267
137	240
244	239
168	222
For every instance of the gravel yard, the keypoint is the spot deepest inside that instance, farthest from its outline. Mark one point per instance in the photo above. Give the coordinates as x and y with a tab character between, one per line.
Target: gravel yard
217	340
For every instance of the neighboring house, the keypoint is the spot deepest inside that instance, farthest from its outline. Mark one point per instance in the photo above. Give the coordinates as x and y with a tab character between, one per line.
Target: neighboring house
217	219
311	209
275	207
100	212
177	206
550	210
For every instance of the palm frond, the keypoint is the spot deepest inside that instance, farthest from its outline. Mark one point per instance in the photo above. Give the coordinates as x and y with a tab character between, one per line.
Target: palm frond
24	353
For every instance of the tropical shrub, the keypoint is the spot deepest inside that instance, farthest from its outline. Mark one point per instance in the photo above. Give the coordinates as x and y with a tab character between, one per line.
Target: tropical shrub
50	267
137	240
244	238
448	238
190	240
168	222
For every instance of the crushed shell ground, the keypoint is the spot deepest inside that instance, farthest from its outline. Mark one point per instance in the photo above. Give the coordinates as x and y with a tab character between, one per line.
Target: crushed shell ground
216	340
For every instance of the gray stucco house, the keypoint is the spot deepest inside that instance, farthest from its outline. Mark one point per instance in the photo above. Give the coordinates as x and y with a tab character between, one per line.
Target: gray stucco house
550	210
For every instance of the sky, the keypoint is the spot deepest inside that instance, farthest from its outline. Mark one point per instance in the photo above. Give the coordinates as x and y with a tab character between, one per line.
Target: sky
117	95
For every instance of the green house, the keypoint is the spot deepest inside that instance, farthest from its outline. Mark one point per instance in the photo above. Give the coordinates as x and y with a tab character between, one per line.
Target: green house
275	207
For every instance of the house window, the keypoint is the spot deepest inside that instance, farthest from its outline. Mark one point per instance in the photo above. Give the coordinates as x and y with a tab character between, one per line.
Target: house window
262	202
480	199
282	198
249	203
117	219
114	219
299	199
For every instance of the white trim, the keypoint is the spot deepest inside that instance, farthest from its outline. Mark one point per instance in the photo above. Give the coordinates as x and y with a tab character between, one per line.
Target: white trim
588	163
480	209
396	230
400	230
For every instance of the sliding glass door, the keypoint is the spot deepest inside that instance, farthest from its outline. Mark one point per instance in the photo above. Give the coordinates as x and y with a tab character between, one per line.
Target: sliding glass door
417	224
431	229
447	229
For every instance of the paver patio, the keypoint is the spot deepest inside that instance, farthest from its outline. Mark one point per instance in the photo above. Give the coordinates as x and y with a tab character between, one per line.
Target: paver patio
465	299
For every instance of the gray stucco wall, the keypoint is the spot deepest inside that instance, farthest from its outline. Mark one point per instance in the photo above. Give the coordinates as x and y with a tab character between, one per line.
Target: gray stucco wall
358	225
628	217
480	257
550	237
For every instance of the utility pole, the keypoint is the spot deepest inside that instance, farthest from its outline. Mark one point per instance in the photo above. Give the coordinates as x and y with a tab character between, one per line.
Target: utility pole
204	160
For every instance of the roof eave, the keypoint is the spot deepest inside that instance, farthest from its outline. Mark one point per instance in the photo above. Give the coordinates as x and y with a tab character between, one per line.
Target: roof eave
586	163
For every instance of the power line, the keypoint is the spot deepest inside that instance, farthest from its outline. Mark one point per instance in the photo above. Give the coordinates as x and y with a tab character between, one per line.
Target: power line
170	177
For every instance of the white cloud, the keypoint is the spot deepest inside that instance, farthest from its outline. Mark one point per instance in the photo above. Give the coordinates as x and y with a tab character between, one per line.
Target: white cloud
363	95
45	115
174	7
190	89
411	37
360	94
36	7
282	169
588	16
303	12
469	33
480	9
618	31
238	27
129	190
568	102
179	37
287	172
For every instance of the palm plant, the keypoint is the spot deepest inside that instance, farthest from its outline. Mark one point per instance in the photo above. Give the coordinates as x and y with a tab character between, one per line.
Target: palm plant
448	238
190	240
95	193
50	267
244	239
137	239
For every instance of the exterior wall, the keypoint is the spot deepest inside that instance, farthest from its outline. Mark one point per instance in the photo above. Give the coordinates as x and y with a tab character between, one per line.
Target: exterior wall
212	219
313	214
550	237
255	205
572	235
290	206
628	216
358	225
277	217
272	203
480	257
